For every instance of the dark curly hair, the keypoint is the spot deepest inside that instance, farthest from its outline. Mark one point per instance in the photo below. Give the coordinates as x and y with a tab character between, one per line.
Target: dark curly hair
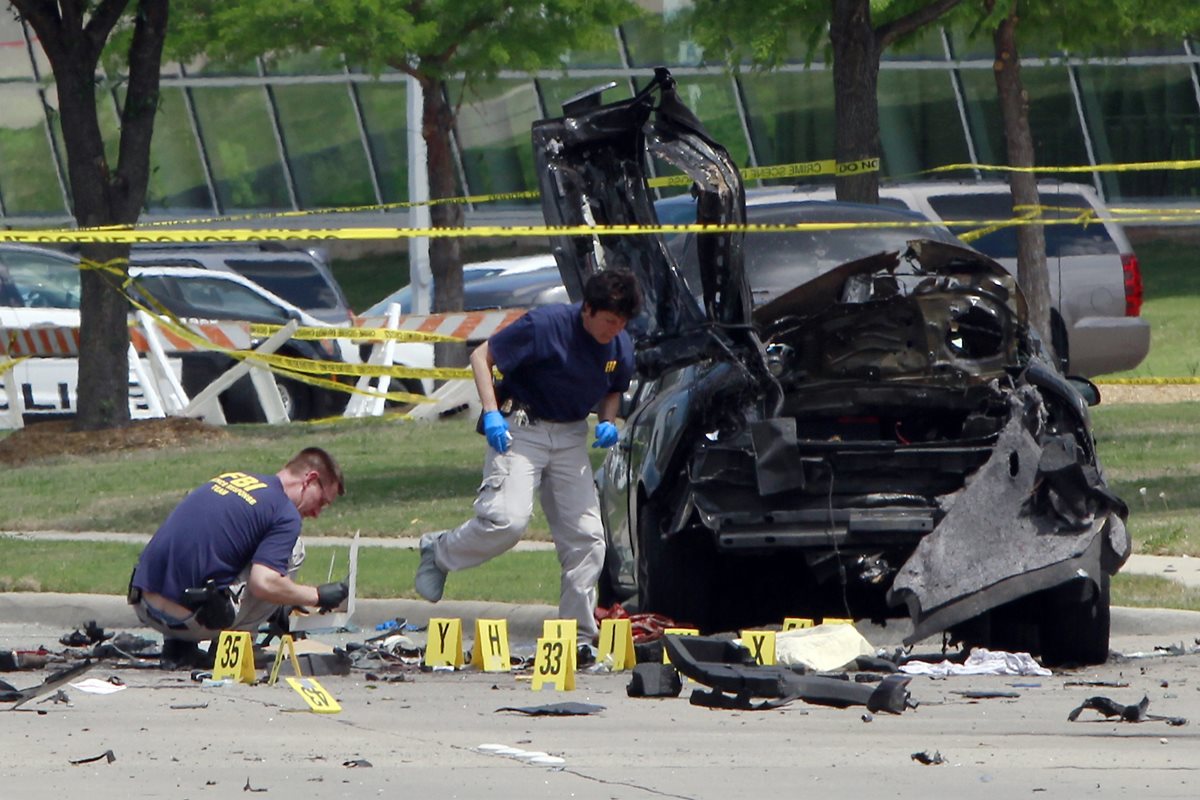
614	290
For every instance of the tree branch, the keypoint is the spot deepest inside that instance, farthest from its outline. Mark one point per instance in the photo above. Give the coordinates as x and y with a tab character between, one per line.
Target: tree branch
103	19
891	31
47	25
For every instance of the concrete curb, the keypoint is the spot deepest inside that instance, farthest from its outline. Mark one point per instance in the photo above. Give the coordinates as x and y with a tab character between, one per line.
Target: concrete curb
68	611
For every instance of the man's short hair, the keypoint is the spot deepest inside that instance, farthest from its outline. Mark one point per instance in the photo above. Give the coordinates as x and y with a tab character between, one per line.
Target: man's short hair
614	290
319	461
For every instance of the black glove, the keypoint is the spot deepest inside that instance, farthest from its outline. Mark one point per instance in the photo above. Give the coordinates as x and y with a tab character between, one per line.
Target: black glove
331	595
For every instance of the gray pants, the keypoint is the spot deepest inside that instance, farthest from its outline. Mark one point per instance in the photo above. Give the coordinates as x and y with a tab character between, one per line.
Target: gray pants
551	457
251	611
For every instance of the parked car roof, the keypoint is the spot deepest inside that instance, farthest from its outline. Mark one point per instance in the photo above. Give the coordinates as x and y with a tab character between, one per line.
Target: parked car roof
472	271
302	277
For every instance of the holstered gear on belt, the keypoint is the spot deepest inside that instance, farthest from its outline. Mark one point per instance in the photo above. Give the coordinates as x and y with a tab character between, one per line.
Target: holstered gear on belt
516	412
213	605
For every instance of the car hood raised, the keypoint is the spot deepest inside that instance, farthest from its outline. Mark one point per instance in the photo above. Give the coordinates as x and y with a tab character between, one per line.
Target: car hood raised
591	166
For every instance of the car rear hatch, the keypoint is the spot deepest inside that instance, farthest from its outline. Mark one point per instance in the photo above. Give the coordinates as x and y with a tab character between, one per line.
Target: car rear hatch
591	167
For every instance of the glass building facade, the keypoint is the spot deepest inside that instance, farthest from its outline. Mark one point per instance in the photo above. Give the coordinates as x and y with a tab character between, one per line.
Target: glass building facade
305	134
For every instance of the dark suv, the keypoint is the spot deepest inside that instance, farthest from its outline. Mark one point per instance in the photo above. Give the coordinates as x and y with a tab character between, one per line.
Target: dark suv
883	438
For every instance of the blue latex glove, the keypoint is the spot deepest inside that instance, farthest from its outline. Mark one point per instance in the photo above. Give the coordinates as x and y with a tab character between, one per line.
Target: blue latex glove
606	435
495	430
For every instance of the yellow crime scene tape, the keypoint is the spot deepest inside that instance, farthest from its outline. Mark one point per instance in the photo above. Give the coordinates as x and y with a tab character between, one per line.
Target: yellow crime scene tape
1133	166
366	334
1192	381
177	231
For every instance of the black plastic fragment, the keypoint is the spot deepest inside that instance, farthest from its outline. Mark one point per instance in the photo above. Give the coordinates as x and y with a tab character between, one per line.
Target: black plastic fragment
725	666
1131	713
556	709
107	755
654	680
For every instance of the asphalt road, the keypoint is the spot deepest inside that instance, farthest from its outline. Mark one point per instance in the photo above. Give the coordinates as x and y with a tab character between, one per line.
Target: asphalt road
172	738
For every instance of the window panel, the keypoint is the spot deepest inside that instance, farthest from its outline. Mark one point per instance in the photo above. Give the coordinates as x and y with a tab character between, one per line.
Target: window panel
652	41
791	116
1057	134
177	180
557	91
28	180
384	108
602	53
493	134
919	124
241	148
1145	113
322	142
316	62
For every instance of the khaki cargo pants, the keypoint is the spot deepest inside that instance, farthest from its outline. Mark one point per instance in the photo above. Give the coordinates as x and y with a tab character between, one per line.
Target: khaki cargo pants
550	458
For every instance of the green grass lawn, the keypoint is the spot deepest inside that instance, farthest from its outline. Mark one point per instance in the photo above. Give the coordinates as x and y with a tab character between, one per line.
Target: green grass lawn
404	479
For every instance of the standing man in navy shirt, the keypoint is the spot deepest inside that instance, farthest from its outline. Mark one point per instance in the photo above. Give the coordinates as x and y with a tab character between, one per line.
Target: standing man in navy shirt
556	363
226	557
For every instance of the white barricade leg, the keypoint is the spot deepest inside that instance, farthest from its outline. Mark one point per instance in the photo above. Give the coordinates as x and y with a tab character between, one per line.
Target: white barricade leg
227	379
453	396
268	395
170	390
381	353
14	417
137	373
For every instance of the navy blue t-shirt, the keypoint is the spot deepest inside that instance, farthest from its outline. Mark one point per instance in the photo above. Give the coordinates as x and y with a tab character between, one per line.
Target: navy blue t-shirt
233	520
554	366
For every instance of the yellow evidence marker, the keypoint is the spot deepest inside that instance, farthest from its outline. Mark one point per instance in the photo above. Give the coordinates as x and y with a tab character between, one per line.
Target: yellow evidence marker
234	657
319	700
761	645
561	629
444	647
792	623
490	651
554	664
677	632
616	644
288	643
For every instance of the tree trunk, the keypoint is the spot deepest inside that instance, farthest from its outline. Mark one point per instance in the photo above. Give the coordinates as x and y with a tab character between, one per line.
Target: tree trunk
1031	239
856	56
101	195
445	254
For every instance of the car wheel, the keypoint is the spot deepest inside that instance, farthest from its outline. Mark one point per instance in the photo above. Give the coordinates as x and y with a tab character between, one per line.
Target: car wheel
1076	628
675	575
297	399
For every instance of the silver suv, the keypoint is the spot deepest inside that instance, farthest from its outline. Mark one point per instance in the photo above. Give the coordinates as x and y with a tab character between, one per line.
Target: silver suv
1095	279
302	277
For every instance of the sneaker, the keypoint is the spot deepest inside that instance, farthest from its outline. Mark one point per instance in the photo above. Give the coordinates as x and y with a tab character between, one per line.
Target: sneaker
430	580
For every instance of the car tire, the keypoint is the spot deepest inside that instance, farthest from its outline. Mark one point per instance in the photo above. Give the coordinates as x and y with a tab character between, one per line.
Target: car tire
297	399
675	574
1076	628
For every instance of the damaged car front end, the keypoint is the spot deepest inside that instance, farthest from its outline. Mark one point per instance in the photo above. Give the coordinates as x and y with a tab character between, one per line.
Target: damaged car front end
884	440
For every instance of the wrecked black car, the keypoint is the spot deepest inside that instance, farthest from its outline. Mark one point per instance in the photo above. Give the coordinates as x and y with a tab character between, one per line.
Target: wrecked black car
885	440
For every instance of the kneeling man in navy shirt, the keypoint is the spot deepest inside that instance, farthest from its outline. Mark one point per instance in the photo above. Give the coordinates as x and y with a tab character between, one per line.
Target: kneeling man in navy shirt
227	556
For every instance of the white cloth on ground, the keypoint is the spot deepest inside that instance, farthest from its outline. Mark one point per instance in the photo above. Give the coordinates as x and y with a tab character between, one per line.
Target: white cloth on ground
980	662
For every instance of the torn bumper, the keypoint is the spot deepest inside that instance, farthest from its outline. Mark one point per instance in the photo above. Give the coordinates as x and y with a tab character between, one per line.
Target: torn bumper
1026	522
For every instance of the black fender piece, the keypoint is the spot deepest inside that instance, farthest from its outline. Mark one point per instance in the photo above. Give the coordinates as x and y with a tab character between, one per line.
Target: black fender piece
728	667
